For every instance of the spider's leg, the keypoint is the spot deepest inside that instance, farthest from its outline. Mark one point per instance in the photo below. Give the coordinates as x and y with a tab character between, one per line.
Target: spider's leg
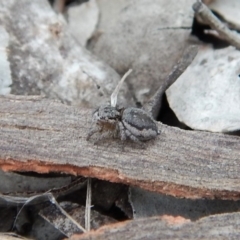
136	140
122	131
94	129
102	136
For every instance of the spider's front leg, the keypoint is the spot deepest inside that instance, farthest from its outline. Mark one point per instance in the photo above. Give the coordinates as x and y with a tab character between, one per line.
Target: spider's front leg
94	129
122	132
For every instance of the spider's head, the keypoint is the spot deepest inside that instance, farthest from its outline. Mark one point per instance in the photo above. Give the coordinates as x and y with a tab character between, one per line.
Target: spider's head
107	113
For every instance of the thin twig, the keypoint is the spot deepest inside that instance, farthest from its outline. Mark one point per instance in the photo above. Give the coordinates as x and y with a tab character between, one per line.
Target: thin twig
88	205
154	105
47	197
53	200
59	6
202	11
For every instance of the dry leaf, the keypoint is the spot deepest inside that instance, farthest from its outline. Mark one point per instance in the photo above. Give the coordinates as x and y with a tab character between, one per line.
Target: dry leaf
207	95
46	59
82	20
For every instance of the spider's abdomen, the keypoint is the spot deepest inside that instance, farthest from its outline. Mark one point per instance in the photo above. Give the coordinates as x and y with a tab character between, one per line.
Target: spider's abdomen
139	123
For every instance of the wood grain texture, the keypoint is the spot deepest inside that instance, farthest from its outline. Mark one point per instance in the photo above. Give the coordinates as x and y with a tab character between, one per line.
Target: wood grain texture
225	226
43	135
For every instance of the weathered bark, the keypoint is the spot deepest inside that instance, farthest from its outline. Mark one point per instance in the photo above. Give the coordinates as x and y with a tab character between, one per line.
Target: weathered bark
43	136
225	226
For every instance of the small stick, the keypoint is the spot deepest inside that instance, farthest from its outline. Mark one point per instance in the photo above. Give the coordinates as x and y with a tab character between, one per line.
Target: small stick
53	200
88	205
59	6
154	104
115	92
207	16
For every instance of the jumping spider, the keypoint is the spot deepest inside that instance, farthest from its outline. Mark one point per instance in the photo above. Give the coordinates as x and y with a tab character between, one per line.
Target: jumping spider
129	123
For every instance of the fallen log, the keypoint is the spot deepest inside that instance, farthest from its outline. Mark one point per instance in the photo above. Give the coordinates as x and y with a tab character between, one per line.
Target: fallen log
43	135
